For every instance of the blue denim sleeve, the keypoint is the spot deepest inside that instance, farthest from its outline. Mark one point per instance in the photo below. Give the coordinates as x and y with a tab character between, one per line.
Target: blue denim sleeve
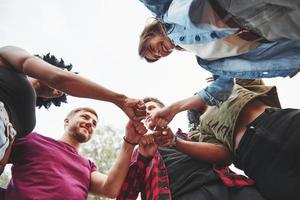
218	91
158	7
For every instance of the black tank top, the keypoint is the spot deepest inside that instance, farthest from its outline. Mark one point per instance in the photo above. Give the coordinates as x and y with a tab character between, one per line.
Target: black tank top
19	98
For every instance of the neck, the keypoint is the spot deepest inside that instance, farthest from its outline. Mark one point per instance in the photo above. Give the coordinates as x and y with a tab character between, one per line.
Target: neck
2	63
69	140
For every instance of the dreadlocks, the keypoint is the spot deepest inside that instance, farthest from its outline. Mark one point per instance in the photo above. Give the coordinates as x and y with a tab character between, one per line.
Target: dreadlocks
51	59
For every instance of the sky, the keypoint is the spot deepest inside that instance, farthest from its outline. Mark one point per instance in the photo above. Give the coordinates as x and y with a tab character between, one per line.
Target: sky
100	39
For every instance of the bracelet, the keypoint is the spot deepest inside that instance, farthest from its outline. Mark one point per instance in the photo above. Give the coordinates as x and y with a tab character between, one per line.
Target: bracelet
127	141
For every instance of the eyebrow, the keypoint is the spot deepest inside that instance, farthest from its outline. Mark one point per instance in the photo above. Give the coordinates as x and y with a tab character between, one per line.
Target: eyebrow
89	116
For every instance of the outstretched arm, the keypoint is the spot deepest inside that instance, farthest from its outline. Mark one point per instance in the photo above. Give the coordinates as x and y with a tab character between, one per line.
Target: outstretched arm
165	115
214	153
110	185
65	81
214	94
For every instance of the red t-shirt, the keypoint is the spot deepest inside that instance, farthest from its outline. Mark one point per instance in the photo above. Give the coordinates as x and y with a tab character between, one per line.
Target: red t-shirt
44	168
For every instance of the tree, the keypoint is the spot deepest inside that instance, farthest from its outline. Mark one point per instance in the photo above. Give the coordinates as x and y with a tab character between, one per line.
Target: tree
4	178
102	150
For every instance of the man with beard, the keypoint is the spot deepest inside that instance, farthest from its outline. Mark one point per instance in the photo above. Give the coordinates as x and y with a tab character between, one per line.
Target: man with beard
44	168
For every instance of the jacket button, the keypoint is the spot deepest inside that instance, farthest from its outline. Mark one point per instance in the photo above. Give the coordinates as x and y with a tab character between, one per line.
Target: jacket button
213	35
181	38
197	38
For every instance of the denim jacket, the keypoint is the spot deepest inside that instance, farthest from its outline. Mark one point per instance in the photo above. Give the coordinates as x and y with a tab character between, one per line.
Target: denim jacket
275	59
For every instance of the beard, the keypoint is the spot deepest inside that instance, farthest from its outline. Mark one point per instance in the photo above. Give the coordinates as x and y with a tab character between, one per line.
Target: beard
80	137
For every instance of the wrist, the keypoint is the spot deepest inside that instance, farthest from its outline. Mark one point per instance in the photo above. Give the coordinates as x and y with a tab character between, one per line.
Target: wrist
144	159
174	108
128	141
120	100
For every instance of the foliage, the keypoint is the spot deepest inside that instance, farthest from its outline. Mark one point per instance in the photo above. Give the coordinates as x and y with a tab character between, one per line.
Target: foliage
102	150
4	178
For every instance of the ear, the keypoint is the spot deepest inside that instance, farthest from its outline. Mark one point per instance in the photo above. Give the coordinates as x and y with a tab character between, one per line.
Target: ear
66	121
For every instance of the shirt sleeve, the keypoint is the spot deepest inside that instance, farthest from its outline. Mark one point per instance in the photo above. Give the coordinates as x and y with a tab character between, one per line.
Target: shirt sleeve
93	166
202	136
218	91
135	178
157	7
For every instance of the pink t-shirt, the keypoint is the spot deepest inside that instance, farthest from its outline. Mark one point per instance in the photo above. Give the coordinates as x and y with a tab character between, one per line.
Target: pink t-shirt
44	168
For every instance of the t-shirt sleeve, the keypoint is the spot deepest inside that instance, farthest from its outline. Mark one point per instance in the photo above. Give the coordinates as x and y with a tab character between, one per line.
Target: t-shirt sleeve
93	166
203	136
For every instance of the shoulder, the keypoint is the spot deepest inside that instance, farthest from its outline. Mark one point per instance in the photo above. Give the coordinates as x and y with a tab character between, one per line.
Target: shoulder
159	8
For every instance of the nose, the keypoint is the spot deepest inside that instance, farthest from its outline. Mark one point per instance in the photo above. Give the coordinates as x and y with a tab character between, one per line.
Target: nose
88	124
147	112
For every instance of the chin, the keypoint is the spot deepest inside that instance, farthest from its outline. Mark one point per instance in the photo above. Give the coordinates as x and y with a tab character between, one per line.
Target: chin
81	137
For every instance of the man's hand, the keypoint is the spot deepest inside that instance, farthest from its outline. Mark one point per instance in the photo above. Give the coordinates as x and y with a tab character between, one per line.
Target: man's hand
134	131
147	145
162	117
135	109
164	137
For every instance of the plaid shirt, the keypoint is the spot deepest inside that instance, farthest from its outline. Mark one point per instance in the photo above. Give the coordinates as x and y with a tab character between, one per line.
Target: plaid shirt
149	176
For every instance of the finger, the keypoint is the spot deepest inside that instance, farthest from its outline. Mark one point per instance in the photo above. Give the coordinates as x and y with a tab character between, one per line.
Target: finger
163	123
140	112
141	105
160	122
141	130
165	132
150	139
142	141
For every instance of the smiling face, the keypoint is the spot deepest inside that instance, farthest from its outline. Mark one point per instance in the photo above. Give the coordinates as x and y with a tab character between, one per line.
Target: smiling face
158	46
81	125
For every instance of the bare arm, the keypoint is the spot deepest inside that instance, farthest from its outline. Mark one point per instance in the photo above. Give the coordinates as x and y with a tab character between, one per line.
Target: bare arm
210	152
65	81
110	185
168	113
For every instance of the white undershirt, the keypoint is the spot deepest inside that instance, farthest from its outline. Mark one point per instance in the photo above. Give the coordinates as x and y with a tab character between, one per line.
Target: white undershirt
228	46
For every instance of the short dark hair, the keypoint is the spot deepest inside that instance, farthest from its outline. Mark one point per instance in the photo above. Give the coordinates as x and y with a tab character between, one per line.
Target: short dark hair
51	59
151	29
152	99
76	110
